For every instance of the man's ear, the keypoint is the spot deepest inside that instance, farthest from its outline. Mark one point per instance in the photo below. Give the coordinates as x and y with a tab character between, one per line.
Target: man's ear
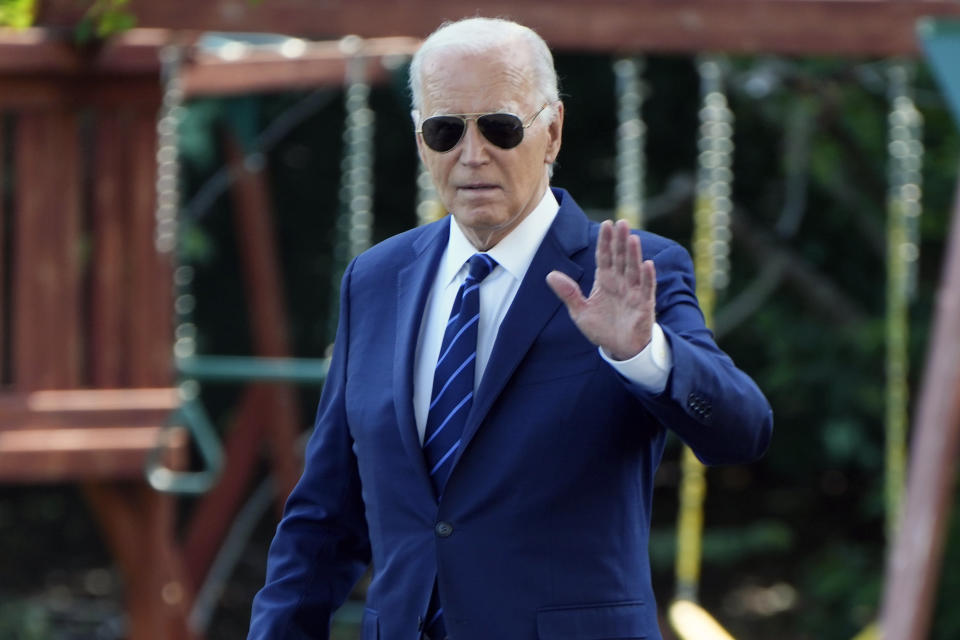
415	116
555	133
419	140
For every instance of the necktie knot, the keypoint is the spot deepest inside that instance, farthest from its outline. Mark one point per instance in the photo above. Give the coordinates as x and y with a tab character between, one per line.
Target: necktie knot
480	265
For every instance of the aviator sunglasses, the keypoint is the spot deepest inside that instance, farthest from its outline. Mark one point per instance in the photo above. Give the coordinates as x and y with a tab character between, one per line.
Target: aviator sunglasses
444	132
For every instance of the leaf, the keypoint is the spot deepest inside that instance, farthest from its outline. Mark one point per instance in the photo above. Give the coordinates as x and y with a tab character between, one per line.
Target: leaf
113	22
103	19
18	14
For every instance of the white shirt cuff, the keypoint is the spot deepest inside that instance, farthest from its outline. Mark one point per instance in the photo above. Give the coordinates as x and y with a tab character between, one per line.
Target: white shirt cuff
651	367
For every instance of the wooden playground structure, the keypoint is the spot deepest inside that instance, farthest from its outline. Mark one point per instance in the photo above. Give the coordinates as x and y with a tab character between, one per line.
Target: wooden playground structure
88	383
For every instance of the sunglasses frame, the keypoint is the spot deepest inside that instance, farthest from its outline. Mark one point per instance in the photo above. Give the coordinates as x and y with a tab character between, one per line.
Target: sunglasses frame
467	117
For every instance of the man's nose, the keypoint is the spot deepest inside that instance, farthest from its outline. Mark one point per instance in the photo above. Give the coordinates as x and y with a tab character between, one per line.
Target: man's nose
474	149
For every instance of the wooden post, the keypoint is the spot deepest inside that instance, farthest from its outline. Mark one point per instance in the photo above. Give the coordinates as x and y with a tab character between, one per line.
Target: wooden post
138	523
913	568
3	255
151	303
108	302
267	412
131	346
46	304
267	306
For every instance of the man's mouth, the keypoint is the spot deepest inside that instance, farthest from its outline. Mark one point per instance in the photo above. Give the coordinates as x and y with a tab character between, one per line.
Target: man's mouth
478	186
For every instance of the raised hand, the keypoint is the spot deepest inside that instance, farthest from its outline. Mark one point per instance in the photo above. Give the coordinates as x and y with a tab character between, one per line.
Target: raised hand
620	312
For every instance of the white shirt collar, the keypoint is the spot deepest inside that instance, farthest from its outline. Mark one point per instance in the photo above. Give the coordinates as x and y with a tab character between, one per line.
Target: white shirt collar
514	252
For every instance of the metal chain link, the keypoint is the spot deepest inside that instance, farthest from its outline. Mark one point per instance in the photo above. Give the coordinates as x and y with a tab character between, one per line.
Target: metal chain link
711	250
355	220
429	207
168	157
714	181
168	229
631	138
905	150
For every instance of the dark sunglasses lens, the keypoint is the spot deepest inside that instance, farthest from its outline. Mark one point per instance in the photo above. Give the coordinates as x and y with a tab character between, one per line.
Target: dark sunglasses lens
442	133
502	129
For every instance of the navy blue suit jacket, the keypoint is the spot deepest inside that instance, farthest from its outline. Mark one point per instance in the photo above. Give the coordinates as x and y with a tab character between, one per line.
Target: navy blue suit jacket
544	520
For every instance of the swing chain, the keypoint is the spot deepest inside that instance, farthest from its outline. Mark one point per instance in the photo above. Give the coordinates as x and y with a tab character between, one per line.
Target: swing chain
428	203
905	147
168	157
355	220
905	150
714	184
190	414
631	137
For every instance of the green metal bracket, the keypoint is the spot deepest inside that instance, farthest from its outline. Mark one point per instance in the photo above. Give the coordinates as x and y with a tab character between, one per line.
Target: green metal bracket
254	369
941	43
193	417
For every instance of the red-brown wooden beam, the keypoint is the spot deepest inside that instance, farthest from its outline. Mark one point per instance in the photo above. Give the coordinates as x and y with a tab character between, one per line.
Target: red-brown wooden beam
269	412
149	325
845	27
36	93
267	309
3	259
34	455
87	408
915	561
36	50
319	64
139	524
40	68
109	304
46	292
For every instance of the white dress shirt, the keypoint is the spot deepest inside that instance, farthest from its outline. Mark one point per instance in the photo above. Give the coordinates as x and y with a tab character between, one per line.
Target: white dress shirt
650	368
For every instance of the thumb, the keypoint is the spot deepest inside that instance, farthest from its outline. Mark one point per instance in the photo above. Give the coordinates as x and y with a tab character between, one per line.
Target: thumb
567	290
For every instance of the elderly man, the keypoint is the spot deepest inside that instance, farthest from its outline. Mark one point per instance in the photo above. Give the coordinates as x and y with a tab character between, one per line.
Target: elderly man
501	388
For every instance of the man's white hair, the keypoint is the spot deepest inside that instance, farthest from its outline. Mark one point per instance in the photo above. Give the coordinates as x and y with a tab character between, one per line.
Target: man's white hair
477	35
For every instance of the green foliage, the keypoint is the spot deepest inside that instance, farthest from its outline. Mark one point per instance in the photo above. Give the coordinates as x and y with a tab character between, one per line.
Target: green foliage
198	132
103	19
842	588
727	546
18	14
946	621
196	247
24	620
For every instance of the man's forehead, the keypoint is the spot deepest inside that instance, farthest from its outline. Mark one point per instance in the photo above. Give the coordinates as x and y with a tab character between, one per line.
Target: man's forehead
512	62
490	81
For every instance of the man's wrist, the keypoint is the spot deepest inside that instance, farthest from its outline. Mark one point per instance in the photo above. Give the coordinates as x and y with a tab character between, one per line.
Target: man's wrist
651	367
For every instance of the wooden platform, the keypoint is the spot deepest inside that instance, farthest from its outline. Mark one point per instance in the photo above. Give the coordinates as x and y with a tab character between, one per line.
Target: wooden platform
87	435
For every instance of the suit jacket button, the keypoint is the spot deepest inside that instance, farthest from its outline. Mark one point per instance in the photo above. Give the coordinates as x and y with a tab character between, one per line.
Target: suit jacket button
443	529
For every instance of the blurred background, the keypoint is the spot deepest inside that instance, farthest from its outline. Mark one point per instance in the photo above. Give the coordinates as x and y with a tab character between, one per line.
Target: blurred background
198	192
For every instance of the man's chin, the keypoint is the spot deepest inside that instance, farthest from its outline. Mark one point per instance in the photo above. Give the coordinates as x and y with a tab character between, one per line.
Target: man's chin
482	219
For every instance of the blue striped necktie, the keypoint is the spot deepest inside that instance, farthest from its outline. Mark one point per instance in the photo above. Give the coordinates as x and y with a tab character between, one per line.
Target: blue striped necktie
453	376
452	398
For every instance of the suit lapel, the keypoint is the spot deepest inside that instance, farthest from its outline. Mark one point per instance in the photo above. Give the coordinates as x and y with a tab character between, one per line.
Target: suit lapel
413	285
532	307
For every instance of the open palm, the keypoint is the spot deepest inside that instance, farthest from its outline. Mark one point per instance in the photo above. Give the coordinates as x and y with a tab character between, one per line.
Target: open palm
620	311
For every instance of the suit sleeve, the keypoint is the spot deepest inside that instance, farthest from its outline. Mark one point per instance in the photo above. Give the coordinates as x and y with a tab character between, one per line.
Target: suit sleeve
321	546
713	406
